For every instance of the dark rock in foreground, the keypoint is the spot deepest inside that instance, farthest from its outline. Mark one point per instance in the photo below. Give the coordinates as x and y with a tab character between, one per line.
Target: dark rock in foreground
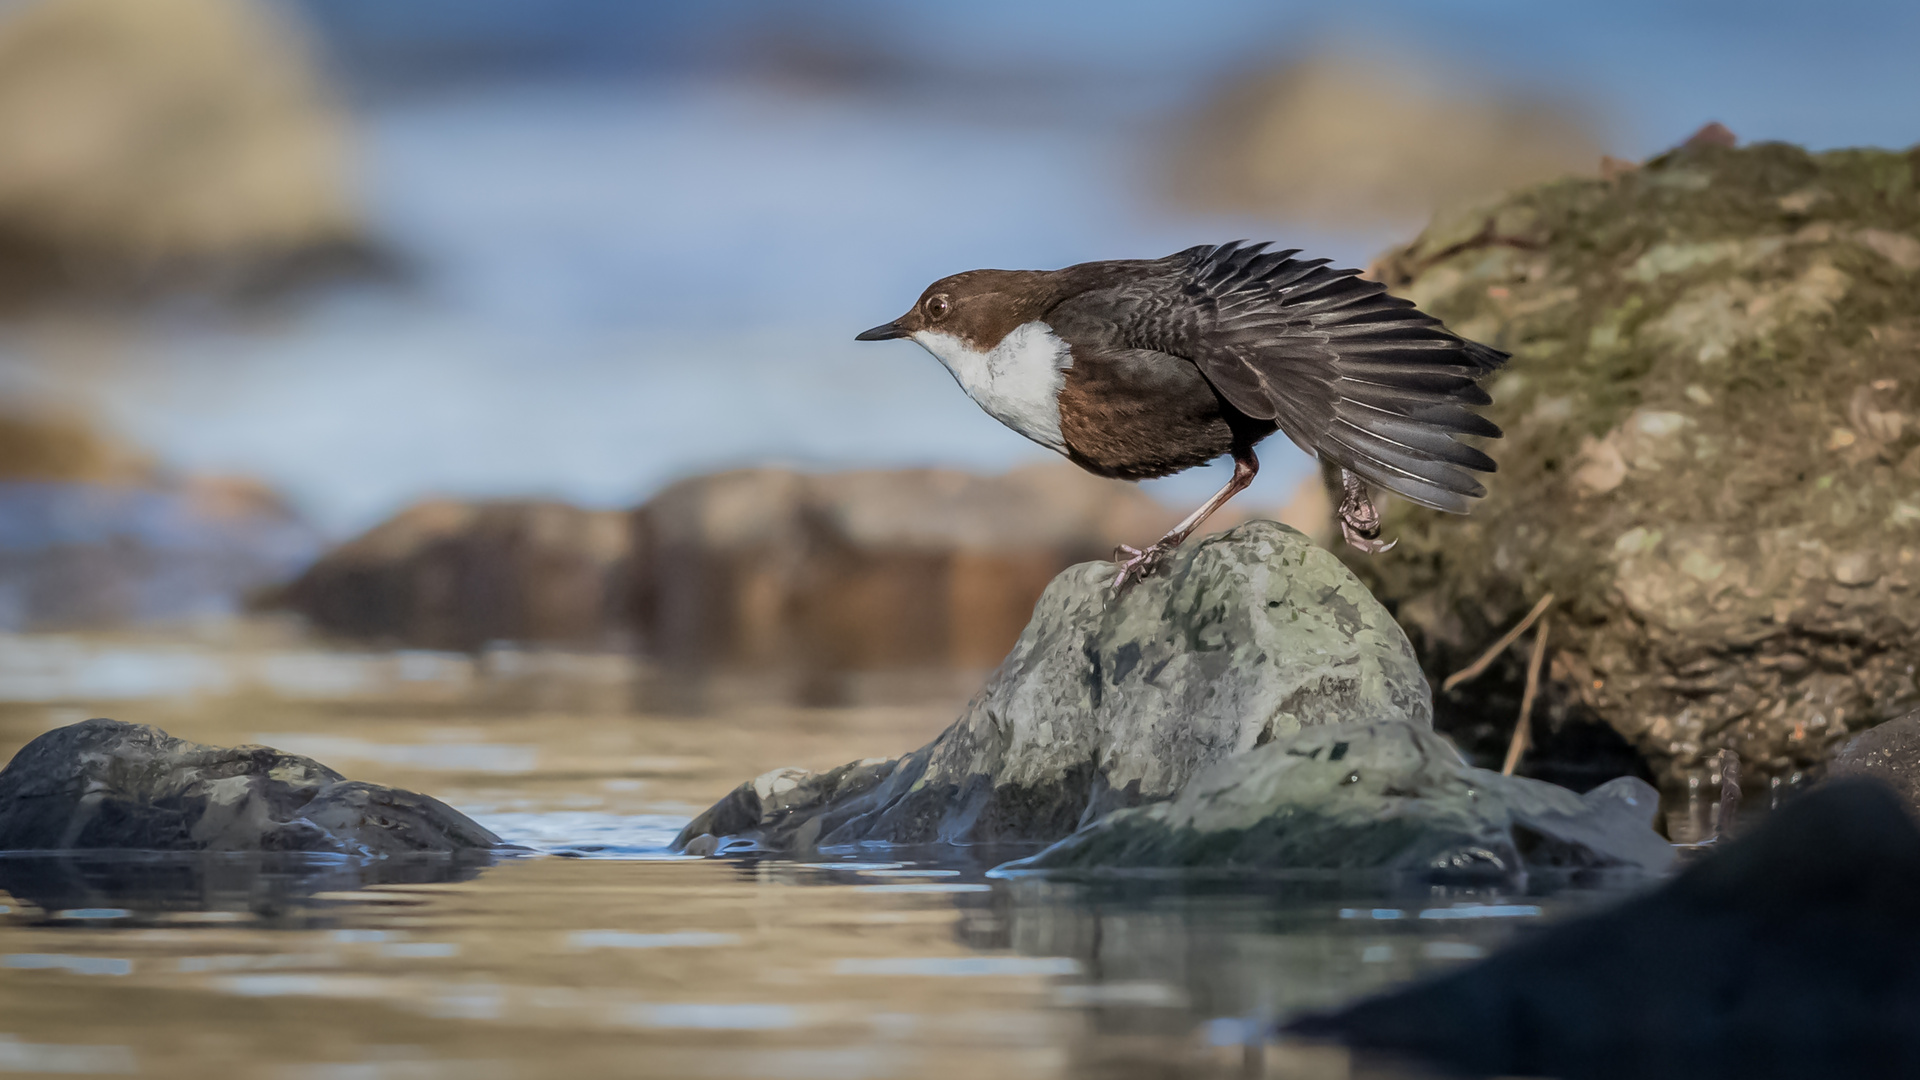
1793	952
1889	753
1108	702
102	784
1387	796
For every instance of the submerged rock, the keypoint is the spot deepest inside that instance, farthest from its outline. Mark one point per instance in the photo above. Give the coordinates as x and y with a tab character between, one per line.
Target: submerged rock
1712	449
1387	796
1107	702
1889	753
1792	952
107	784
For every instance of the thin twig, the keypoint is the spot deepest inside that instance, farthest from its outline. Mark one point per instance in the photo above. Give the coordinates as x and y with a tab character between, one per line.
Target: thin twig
1486	658
1523	730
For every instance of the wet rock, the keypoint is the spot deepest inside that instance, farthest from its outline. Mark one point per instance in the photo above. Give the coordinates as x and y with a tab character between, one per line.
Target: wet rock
105	784
1710	456
1383	796
143	141
1107	702
1889	753
1791	952
454	575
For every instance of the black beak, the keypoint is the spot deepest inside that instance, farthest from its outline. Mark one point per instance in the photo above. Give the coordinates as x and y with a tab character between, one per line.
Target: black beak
883	332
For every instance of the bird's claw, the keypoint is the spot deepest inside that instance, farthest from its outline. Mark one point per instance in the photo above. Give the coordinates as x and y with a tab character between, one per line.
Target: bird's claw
1370	544
1137	564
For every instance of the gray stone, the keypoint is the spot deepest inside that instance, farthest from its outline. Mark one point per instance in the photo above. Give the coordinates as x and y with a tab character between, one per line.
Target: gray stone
1385	796
1889	753
1112	701
105	784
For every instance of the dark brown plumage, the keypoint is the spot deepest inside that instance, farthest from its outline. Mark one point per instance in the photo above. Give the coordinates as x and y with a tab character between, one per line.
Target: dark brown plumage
1142	368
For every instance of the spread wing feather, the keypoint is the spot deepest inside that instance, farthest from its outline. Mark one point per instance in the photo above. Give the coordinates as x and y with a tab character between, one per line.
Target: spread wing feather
1350	373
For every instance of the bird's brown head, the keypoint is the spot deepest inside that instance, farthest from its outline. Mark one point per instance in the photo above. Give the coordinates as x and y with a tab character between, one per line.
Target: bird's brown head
979	307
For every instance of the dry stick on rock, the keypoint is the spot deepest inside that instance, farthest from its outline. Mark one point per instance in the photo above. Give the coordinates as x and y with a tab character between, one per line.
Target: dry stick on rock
1493	652
1522	730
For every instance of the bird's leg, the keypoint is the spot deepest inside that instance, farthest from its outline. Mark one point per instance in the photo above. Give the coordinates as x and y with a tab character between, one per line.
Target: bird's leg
1136	564
1359	521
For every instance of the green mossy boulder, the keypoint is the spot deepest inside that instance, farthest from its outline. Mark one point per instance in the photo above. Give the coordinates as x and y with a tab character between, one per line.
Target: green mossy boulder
1712	454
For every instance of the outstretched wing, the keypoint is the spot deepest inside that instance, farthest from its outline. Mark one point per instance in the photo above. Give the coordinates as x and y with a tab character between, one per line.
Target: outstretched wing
1350	373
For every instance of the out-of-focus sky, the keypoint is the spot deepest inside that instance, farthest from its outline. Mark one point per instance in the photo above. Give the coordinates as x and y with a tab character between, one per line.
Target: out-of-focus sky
643	235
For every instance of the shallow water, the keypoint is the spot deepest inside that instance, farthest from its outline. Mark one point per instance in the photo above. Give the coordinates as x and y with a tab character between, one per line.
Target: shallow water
601	953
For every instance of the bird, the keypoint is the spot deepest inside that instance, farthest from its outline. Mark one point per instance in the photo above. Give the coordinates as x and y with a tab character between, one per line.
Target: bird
1141	368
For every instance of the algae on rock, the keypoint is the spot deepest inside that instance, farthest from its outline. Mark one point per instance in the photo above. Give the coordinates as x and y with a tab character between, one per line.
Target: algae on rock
1712	456
1383	796
1109	701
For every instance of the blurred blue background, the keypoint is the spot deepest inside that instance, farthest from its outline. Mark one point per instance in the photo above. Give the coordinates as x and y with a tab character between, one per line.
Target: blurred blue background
618	243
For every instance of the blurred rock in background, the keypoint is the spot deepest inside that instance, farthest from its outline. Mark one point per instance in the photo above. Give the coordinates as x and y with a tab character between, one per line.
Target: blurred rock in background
921	568
91	536
452	575
1354	140
801	578
143	142
1711	457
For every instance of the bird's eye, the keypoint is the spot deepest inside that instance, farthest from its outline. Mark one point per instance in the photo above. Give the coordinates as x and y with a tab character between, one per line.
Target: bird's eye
938	307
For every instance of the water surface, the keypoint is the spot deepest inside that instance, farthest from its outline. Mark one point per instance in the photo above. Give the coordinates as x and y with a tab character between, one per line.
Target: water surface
601	953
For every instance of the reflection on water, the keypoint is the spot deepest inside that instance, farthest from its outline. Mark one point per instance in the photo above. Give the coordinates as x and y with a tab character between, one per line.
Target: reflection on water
597	952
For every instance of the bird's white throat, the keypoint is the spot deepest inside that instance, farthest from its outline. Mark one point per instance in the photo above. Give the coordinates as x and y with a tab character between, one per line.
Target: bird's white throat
1017	381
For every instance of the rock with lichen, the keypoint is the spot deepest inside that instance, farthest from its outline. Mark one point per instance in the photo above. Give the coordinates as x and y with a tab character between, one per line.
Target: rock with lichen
1387	797
103	784
1711	459
1112	701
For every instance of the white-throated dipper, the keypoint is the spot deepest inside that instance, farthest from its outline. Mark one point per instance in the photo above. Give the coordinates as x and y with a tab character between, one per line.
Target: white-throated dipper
1137	368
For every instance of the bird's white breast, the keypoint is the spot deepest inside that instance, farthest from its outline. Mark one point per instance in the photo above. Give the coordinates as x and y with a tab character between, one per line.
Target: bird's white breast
1017	381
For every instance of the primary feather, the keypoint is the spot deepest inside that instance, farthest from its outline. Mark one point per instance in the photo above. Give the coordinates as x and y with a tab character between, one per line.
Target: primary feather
1350	373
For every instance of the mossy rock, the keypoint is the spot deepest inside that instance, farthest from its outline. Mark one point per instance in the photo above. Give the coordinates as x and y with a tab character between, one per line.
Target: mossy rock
1112	701
1381	797
1712	455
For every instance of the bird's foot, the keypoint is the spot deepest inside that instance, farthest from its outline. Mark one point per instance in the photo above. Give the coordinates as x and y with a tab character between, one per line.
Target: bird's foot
1138	564
1368	542
1359	520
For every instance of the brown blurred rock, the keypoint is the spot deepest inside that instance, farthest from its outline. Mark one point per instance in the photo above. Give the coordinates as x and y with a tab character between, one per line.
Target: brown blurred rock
1360	140
863	571
42	444
141	137
454	575
93	536
771	571
1709	458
